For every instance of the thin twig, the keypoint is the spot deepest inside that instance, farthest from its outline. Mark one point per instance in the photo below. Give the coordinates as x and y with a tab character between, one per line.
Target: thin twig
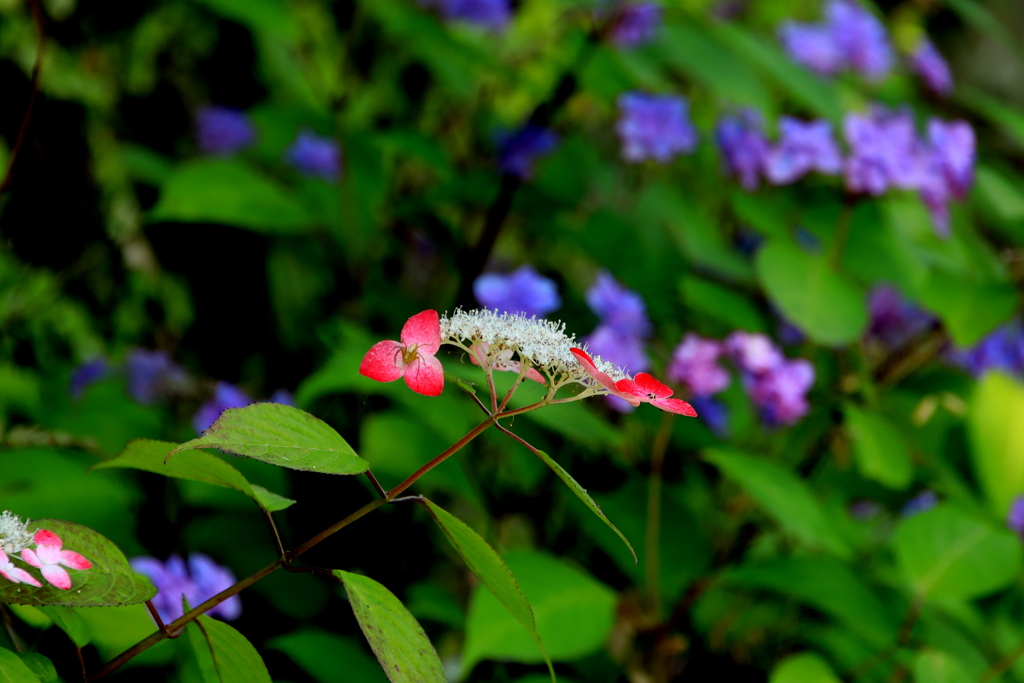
376	484
37	17
157	618
273	529
475	432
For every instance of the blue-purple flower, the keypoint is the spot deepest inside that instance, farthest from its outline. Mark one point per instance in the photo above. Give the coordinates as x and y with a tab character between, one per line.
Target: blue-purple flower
153	376
803	146
744	147
635	23
519	151
713	414
524	291
626	350
1002	349
86	374
225	396
223	130
695	365
315	155
812	45
894	319
777	385
922	502
492	15
933	70
198	580
1015	517
849	38
655	127
621	309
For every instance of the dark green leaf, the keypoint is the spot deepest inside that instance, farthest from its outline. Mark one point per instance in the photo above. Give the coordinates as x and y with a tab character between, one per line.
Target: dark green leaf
13	670
68	620
228	192
328	657
280	435
936	666
491	570
811	294
111	581
224	654
784	495
879	449
946	553
401	646
582	494
152	456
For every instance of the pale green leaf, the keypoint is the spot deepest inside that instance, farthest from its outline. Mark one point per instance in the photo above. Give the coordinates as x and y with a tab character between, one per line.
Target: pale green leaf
68	619
996	433
401	646
936	666
803	668
280	435
42	668
225	655
13	670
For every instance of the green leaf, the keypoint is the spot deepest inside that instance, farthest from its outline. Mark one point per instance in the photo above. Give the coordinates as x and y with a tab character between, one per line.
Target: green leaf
784	495
401	646
261	16
68	620
803	668
41	667
996	433
811	294
280	435
726	305
13	670
328	657
151	456
582	494
229	192
970	310
575	614
936	666
224	654
491	570
111	581
879	449
946	553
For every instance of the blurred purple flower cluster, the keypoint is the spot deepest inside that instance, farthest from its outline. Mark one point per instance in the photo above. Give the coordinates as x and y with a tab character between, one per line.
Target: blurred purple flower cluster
524	291
1015	517
315	156
777	385
635	23
198	580
518	151
850	37
931	68
1001	350
493	15
226	396
620	336
222	131
894	319
152	376
655	127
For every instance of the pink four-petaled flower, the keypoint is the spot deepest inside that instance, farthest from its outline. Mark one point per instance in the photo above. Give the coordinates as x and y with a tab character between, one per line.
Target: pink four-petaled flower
15	574
649	390
412	358
48	557
602	378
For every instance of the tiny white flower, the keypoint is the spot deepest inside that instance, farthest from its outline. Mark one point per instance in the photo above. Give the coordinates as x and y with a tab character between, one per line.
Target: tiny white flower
14	533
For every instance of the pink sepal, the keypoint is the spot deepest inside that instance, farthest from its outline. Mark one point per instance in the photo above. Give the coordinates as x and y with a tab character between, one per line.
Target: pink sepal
57	576
69	558
30	556
46	537
383	362
15	574
675	405
603	378
649	390
425	376
423	330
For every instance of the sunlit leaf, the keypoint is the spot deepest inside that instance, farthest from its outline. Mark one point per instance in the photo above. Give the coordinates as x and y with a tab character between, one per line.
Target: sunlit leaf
13	670
996	433
68	619
803	668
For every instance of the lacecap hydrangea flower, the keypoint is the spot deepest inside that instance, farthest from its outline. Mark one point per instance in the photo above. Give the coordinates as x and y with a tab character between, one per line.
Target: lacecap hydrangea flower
523	291
48	555
223	130
654	127
315	156
519	151
198	579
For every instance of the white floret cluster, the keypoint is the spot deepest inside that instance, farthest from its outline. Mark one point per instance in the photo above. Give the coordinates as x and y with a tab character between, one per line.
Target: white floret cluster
14	533
541	343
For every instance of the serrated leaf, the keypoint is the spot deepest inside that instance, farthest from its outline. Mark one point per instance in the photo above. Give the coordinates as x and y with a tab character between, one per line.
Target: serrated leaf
582	494
491	570
280	435
401	646
947	553
783	495
224	654
879	448
110	582
13	670
69	621
151	456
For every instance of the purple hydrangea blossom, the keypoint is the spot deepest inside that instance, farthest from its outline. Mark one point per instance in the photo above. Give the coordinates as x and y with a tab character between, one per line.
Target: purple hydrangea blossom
493	15
225	396
223	130
885	152
635	23
522	291
782	392
1002	349
928	63
713	413
952	145
744	147
803	146
753	352
519	151
87	374
626	350
198	580
695	364
620	309
894	319
812	45
153	376
1015	517
861	37
314	155
654	127
282	396
922	502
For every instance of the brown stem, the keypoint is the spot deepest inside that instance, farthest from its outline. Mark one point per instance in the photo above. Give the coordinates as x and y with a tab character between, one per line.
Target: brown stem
273	530
81	664
475	432
157	618
37	18
376	484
